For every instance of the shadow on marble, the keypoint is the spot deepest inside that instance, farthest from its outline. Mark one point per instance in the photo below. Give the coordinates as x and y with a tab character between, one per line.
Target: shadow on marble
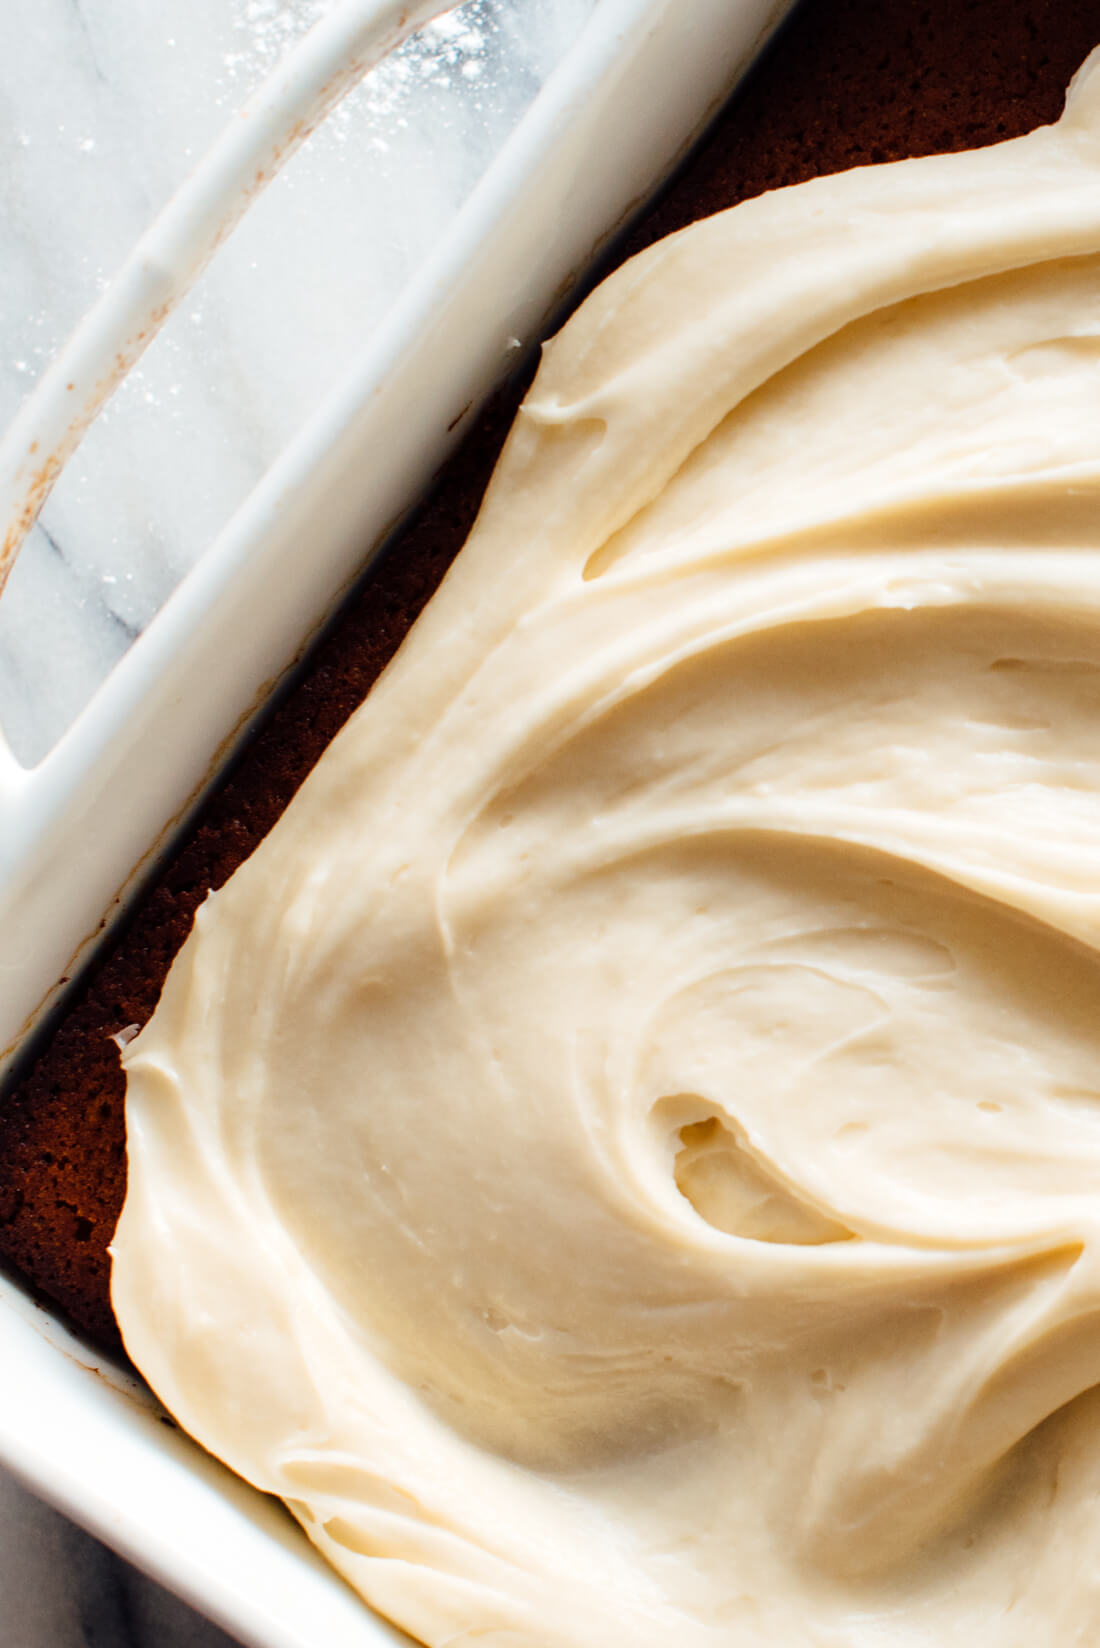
60	1588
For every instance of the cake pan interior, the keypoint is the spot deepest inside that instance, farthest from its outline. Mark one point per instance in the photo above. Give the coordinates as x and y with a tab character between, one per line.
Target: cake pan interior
80	826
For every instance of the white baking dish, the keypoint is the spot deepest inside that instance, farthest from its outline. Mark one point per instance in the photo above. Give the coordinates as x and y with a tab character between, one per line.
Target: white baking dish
640	83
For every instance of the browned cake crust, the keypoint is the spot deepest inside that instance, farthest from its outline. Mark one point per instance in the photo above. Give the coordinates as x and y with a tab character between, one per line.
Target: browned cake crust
848	82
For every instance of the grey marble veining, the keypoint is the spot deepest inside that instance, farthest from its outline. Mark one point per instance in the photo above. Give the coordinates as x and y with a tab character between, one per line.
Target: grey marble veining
59	1588
104	107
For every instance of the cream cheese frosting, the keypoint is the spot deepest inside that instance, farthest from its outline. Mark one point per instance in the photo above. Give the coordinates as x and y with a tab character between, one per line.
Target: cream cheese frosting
622	1159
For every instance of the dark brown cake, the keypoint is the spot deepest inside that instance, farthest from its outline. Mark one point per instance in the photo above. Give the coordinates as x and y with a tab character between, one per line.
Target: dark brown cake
847	83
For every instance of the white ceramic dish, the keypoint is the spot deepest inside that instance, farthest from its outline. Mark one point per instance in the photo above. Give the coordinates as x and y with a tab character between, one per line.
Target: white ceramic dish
639	85
622	106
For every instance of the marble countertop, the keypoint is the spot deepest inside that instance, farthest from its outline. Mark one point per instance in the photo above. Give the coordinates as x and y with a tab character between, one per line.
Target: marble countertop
104	106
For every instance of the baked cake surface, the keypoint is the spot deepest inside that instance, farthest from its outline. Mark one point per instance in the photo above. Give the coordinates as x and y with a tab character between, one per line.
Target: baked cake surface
848	83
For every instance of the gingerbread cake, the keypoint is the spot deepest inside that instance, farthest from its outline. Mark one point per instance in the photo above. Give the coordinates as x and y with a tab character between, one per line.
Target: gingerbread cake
847	83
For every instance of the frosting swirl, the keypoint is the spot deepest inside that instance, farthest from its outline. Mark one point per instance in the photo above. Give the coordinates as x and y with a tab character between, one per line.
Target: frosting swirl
623	1158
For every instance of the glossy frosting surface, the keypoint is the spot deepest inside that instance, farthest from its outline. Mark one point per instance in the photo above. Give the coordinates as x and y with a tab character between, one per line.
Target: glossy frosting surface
622	1159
